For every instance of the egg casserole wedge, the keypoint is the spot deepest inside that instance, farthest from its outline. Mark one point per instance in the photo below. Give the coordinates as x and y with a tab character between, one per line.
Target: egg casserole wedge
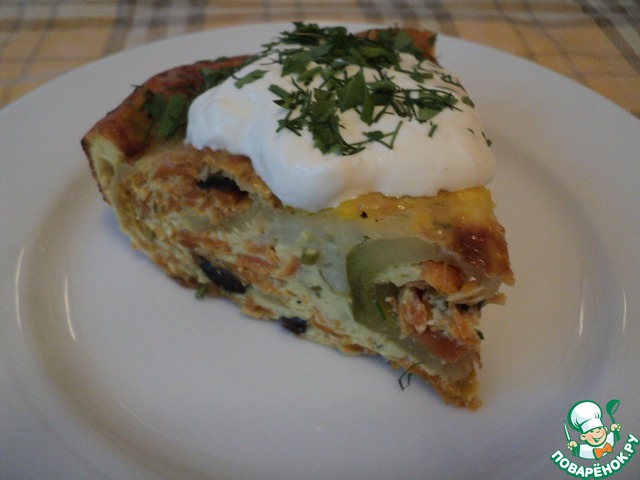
401	277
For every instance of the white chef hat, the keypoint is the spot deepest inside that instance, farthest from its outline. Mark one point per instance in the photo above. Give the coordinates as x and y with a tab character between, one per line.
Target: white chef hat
585	416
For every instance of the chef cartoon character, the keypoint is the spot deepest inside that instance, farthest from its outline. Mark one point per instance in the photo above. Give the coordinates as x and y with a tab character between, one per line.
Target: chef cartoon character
586	417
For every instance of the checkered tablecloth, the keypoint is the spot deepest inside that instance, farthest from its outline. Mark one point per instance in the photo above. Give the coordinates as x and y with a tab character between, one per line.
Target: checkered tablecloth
596	42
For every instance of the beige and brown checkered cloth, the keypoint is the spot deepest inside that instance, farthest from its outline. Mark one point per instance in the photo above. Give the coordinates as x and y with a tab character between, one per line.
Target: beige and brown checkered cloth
596	42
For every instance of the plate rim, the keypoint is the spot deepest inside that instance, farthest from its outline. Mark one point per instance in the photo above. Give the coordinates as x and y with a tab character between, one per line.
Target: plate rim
33	96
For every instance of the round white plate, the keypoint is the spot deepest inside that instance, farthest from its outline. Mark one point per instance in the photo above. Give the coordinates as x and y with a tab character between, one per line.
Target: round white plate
110	370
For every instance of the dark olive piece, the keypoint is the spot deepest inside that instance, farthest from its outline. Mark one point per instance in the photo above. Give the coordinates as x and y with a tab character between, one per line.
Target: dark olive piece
221	277
295	325
218	182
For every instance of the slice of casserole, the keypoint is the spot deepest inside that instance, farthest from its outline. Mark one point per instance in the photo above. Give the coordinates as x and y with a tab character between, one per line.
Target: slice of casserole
335	260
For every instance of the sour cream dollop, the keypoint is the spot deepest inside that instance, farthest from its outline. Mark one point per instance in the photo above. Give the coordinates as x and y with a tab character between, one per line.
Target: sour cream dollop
447	152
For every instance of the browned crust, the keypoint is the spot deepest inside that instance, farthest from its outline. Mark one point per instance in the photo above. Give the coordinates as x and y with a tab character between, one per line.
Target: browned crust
463	393
127	126
484	247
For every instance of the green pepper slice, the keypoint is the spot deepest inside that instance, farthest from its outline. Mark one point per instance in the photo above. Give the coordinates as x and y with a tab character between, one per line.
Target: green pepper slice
365	263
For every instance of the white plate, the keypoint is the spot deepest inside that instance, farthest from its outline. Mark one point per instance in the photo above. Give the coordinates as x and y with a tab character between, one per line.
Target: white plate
109	370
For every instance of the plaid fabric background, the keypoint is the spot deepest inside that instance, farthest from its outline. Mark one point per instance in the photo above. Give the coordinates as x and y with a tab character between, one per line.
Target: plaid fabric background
596	42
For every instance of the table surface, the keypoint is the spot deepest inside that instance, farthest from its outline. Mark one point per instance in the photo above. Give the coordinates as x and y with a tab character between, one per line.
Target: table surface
595	42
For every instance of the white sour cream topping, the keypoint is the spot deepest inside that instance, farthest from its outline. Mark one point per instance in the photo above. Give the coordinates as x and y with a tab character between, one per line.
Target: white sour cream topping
244	121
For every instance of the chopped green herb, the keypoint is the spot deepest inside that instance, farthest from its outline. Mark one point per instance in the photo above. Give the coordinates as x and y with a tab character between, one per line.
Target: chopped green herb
167	115
379	311
250	77
380	137
201	292
317	290
295	62
307	76
324	124
322	54
420	77
405	379
466	100
448	78
279	91
173	115
213	77
351	95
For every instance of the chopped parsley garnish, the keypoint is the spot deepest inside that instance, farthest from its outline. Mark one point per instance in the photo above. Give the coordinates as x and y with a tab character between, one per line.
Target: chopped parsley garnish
486	139
335	61
167	115
328	56
250	77
468	101
215	76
